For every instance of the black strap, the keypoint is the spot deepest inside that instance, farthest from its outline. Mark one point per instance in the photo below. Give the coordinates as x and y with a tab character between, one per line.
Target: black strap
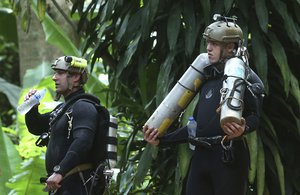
70	102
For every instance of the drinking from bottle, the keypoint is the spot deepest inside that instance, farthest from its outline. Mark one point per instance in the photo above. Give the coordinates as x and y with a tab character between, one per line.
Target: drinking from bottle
32	101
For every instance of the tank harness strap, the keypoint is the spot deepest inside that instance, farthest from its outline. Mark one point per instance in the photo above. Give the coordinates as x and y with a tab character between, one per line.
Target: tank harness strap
70	117
224	91
224	146
209	142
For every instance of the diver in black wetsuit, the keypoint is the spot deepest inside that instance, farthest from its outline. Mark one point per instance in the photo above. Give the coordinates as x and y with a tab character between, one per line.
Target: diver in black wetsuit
69	150
214	170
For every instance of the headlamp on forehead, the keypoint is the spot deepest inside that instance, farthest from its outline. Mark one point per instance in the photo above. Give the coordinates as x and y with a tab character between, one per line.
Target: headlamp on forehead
76	62
71	64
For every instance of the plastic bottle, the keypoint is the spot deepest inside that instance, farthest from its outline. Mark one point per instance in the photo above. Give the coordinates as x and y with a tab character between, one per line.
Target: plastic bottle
192	127
32	101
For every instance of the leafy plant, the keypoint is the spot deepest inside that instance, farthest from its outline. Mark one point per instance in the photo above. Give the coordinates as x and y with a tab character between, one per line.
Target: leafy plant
145	46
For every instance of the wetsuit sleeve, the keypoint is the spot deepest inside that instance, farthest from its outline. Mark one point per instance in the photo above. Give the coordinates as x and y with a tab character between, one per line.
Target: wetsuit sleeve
253	102
37	123
176	137
85	119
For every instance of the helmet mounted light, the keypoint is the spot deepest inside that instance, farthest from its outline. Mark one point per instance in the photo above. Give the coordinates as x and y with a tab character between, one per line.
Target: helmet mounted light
224	30
71	64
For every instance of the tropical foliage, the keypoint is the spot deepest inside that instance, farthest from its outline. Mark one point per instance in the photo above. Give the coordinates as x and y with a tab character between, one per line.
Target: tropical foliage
145	46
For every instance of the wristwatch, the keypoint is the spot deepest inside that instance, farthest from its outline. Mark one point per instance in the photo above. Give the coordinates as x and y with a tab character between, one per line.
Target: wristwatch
56	169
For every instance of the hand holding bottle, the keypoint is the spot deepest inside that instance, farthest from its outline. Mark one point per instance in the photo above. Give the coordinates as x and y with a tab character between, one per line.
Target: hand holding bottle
32	98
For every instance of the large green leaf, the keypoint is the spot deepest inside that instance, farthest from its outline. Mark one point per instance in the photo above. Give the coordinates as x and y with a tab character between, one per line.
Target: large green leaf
123	28
260	168
128	55
228	5
191	27
41	9
35	75
206	9
27	181
260	54
9	158
164	79
149	12
253	151
262	14
278	163
11	91
173	26
144	164
288	22
8	25
281	59
295	90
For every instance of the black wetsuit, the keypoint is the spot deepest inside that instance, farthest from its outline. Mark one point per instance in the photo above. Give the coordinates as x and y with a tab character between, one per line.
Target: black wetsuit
68	148
208	174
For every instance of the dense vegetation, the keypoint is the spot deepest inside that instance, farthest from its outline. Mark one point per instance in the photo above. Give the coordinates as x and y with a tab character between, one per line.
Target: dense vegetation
144	47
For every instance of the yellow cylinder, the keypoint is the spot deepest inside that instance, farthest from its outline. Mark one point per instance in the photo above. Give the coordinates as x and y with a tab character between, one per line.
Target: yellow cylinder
180	96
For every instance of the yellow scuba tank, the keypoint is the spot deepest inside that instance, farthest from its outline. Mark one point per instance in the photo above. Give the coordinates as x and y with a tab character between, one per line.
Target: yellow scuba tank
180	95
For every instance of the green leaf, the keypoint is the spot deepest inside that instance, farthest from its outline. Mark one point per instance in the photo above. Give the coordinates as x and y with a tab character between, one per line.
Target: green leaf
295	91
123	28
173	25
260	169
97	88
164	79
262	14
148	16
191	28
8	25
260	54
27	179
228	5
253	152
126	180
206	9
128	55
35	75
11	91
41	8
107	10
288	22
278	163
281	59
144	164
9	158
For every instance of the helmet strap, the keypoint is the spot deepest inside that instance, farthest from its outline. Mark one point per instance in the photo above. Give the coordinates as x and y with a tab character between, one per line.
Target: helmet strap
57	97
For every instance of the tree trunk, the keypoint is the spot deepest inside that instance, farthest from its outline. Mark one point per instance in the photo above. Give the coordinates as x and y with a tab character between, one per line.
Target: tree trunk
33	48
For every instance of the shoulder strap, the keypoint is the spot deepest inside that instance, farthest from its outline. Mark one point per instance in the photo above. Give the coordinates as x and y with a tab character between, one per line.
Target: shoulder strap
74	99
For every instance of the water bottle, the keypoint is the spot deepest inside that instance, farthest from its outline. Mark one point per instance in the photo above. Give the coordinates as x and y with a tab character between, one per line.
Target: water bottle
192	127
32	101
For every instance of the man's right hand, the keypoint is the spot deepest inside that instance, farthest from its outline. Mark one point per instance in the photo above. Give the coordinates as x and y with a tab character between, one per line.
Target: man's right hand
150	135
29	94
53	182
